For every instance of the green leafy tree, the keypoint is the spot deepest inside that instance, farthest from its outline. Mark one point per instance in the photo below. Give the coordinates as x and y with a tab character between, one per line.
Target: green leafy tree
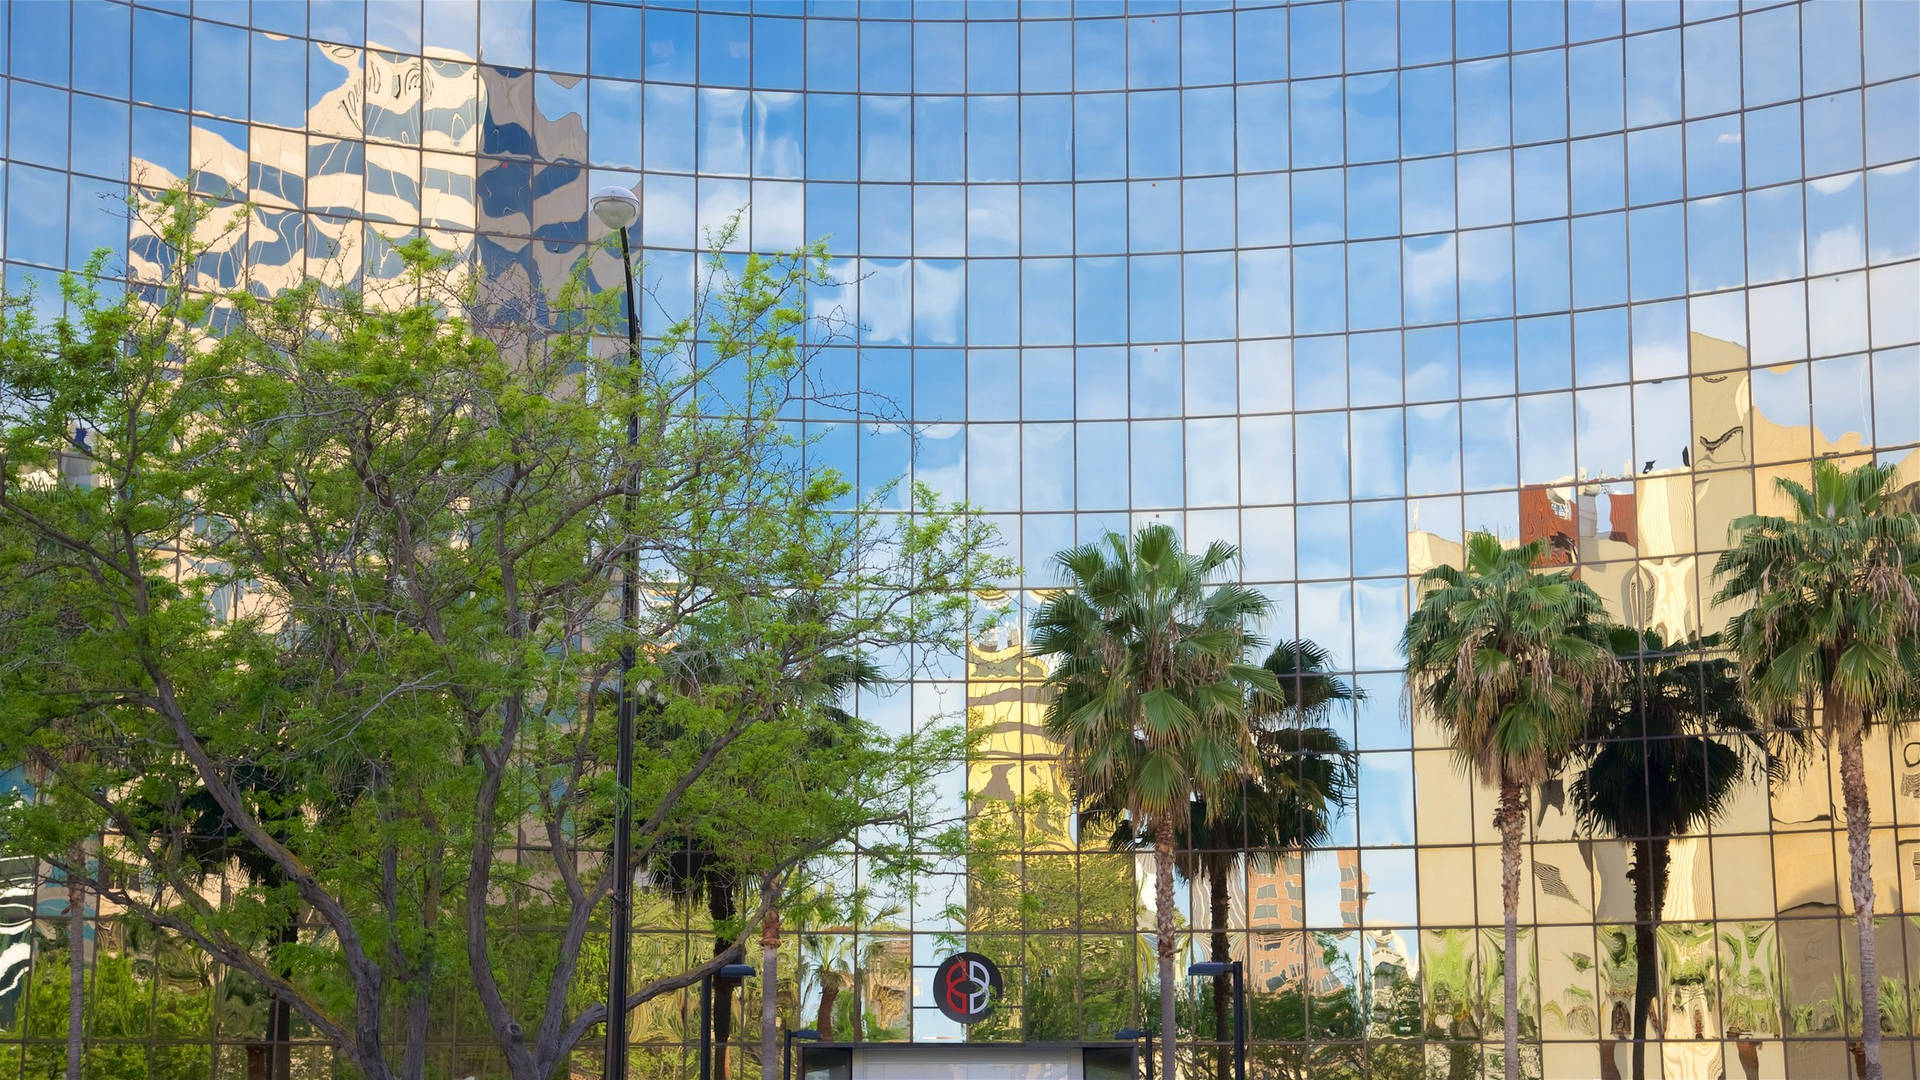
700	865
1508	662
389	523
1301	775
1665	753
1830	640
1149	689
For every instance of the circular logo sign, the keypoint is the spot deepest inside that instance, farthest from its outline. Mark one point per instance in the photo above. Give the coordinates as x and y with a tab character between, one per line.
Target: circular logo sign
965	986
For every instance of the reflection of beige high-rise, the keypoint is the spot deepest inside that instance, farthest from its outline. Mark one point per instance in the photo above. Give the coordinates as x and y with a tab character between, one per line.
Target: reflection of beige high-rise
1757	901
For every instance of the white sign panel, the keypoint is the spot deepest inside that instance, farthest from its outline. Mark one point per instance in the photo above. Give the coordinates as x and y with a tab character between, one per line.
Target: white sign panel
923	1062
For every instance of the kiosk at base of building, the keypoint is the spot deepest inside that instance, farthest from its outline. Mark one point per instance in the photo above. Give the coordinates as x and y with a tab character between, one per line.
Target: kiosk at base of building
968	1061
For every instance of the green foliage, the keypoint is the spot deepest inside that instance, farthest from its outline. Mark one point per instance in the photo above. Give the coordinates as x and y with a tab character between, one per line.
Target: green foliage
135	1019
1831	600
1149	684
1507	659
1072	986
362	547
1671	745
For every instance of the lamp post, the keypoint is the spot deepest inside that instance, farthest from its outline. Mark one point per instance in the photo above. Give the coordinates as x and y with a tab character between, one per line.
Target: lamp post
727	971
1136	1035
810	1034
617	208
1231	967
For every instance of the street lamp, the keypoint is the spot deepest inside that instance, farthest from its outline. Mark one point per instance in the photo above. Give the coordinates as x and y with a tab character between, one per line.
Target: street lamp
727	971
1139	1036
1208	969
617	208
810	1034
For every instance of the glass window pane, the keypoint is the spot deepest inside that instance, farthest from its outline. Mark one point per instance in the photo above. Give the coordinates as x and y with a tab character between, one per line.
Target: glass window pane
1712	67
1539	95
1426	111
1482	96
1320	450
1653	78
1260	43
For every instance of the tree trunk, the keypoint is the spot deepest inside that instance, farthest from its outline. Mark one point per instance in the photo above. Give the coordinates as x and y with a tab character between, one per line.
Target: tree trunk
829	991
413	1061
857	1008
1222	984
769	993
280	1018
1163	932
1511	820
1853	784
76	962
1649	898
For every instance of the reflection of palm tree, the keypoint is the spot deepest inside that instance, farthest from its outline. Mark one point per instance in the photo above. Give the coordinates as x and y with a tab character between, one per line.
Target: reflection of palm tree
1835	605
1507	661
1302	775
1149	694
846	954
1655	770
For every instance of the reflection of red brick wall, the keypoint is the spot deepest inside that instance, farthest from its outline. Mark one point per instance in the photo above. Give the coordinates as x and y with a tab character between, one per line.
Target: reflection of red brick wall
1538	519
1626	519
1563	525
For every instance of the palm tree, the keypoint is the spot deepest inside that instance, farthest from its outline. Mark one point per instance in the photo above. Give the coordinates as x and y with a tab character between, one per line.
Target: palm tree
1508	662
1302	774
844	953
1830	635
1659	764
1149	694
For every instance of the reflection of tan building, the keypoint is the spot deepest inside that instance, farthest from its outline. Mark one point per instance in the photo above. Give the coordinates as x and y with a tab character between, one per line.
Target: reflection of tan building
887	983
1014	764
1757	908
1279	954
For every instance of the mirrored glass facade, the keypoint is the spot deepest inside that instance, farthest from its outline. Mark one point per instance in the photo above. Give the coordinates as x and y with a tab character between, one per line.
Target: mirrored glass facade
1337	282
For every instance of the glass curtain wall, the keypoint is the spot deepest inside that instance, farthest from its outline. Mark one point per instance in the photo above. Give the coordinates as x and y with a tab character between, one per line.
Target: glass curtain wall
1337	282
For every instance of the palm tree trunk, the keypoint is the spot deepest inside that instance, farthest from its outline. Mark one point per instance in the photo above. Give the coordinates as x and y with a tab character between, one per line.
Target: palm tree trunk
829	991
769	992
1163	932
76	962
1853	785
1649	898
1510	820
1222	953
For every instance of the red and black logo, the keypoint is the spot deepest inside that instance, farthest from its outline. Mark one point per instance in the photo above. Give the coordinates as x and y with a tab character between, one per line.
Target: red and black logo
965	986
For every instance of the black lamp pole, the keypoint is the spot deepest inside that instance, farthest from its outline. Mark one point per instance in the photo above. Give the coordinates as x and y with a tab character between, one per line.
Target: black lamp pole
706	1028
786	1071
729	972
1239	1021
1233	968
1138	1036
618	208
